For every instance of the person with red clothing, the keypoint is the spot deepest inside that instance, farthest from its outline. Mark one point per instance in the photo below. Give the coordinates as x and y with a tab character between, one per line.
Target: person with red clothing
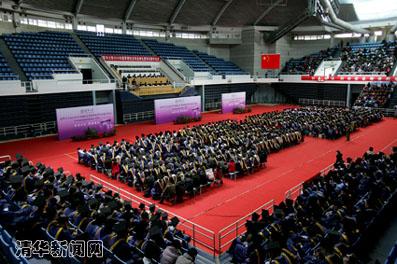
231	168
115	169
218	175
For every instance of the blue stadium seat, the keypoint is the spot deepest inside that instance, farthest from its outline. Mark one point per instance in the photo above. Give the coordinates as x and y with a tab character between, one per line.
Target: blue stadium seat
43	52
171	51
112	44
219	65
6	74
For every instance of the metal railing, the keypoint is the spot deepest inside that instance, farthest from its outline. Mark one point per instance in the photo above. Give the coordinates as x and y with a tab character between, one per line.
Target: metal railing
37	128
201	236
28	87
385	111
139	116
294	192
327	169
362	73
213	105
4	158
306	101
99	81
230	232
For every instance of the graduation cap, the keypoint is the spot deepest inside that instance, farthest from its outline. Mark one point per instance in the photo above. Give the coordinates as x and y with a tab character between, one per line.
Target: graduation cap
155	231
48	171
278	212
93	202
57	175
18	156
69	180
106	210
25	170
32	169
38	184
15	179
120	227
87	183
39	201
255	217
63	193
60	169
265	213
83	209
174	221
14	165
112	204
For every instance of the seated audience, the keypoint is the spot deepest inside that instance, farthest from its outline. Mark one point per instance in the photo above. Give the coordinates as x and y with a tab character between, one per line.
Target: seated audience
327	219
166	164
375	95
368	60
34	198
307	64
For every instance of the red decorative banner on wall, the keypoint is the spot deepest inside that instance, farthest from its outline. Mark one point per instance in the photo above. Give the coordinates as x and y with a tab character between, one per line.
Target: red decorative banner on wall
131	58
352	78
270	61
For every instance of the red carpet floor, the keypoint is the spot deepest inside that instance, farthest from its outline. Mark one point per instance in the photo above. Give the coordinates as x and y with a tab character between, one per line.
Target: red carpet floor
217	208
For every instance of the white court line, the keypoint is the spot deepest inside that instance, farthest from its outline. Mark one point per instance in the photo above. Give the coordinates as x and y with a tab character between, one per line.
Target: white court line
70	156
273	179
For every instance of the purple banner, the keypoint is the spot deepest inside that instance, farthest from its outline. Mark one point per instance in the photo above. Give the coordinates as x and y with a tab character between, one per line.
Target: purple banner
230	101
167	110
75	121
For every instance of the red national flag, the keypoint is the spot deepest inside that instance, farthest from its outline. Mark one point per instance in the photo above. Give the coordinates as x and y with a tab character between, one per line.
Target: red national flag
270	61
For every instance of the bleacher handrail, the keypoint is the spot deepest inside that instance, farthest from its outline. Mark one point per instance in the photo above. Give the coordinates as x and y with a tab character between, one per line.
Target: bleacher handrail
307	101
327	169
362	73
237	227
385	111
5	158
23	129
196	230
138	116
297	189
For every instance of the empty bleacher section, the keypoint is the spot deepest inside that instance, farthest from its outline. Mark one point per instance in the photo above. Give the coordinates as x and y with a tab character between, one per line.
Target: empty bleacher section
213	93
371	58
131	108
220	66
171	51
42	54
308	64
112	44
22	111
296	91
6	73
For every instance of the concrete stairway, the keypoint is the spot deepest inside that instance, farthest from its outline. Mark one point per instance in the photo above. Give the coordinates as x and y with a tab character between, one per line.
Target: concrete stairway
87	51
12	62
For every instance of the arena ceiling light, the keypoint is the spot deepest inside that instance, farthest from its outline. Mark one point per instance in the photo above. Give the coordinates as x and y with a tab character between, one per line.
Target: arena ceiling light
373	9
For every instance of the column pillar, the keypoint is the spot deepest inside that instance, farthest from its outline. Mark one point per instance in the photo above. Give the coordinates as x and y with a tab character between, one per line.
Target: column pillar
348	95
203	98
